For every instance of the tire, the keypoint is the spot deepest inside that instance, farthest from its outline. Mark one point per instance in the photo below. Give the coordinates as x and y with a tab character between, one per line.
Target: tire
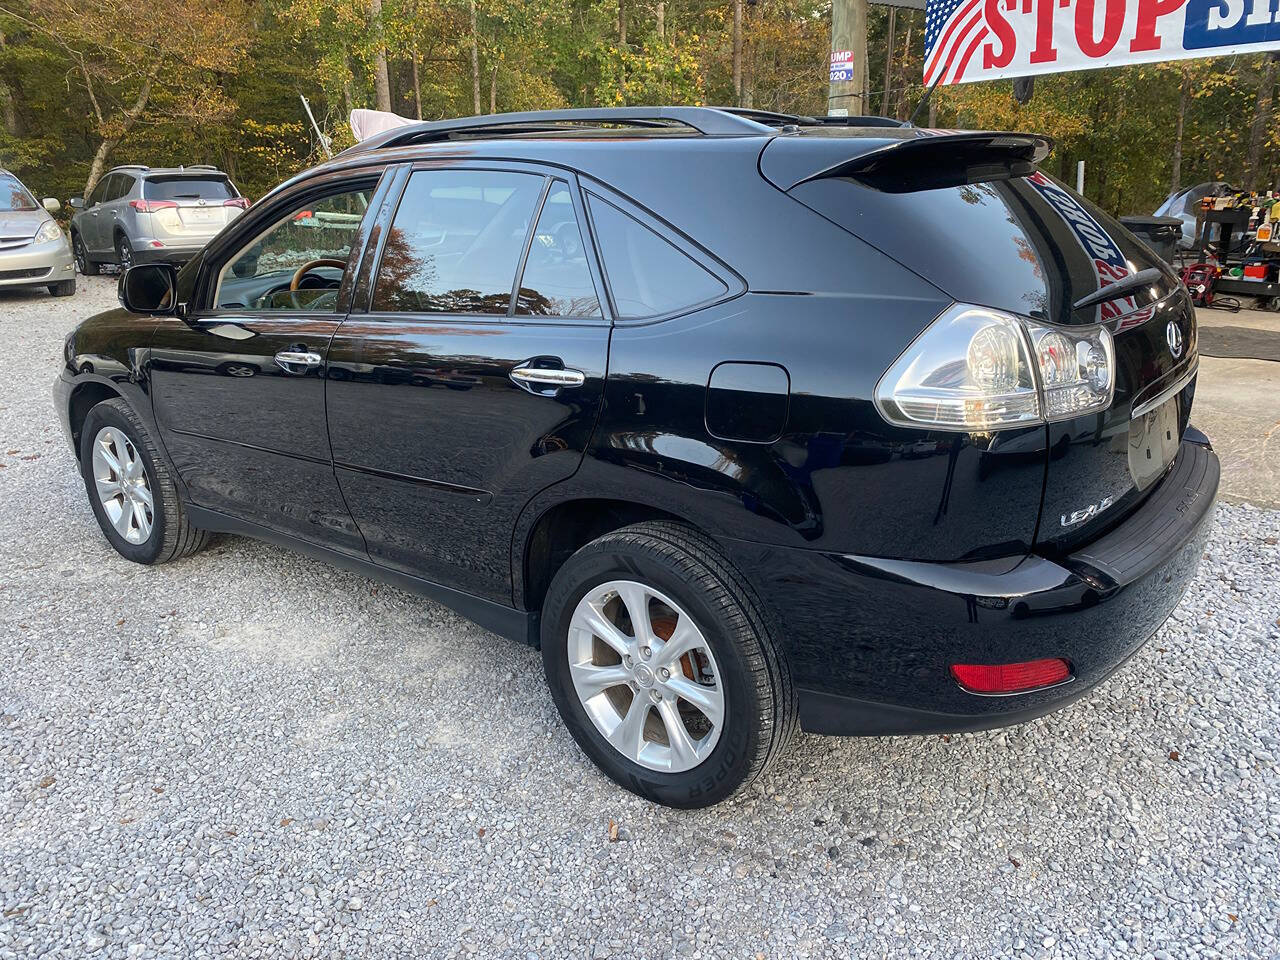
679	568
171	534
124	252
63	288
87	267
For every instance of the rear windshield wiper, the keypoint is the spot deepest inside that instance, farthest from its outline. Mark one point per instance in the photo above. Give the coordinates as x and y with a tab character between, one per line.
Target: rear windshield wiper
1121	288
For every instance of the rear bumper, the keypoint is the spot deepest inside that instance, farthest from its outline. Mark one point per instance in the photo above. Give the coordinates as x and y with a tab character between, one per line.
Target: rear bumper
871	641
144	253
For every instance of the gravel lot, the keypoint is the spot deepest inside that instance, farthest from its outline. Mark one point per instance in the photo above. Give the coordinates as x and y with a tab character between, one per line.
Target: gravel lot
252	754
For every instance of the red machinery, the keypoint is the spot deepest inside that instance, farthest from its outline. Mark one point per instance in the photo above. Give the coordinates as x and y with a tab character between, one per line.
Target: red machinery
1199	279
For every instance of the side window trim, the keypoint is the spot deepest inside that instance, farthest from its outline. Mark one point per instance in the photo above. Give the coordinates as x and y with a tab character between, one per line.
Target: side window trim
363	303
337	183
528	241
734	284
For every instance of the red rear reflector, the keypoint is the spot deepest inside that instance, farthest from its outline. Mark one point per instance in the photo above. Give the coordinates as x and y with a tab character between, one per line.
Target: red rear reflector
1011	677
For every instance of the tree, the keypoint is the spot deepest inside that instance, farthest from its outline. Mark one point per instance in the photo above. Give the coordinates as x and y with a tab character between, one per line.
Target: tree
129	70
1263	115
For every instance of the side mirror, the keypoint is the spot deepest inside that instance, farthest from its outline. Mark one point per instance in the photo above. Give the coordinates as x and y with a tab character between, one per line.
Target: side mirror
51	204
149	288
77	203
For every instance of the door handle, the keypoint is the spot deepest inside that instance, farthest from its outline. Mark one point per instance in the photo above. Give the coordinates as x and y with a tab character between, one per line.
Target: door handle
532	377
291	360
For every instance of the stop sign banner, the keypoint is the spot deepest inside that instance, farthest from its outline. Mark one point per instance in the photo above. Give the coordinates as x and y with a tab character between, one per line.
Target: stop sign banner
969	40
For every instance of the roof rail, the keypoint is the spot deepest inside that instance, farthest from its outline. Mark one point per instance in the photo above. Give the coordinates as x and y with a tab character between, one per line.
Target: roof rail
708	121
198	166
130	166
769	118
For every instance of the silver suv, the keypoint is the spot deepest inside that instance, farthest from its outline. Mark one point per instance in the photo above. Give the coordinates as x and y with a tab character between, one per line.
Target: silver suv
142	214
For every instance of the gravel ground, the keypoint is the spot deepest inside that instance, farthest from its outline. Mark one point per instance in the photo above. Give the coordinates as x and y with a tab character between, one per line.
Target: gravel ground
252	754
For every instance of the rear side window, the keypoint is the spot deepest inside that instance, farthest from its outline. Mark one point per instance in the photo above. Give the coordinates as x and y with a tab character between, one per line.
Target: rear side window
557	281
188	188
456	240
647	276
121	184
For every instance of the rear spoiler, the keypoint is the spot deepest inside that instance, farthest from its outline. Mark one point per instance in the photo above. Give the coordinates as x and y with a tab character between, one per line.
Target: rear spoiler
920	160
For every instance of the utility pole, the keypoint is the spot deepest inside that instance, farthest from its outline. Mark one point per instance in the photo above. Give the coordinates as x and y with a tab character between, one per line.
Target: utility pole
845	95
888	63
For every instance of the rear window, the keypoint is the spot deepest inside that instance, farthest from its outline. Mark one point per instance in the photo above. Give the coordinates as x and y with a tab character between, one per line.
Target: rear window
188	188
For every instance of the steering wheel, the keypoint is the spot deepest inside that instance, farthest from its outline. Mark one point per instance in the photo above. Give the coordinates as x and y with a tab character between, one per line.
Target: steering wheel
310	265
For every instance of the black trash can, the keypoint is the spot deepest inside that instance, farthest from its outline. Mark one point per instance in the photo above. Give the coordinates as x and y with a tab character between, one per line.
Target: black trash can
1161	234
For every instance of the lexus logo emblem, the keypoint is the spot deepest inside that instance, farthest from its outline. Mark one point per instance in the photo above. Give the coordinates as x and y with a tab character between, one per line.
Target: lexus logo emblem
1174	337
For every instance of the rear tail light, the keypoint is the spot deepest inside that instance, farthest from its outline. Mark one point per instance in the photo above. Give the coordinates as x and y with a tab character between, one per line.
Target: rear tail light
1011	677
976	368
151	206
241	202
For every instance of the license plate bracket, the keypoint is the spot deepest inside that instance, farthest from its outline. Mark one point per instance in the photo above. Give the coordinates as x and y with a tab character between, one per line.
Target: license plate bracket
1153	443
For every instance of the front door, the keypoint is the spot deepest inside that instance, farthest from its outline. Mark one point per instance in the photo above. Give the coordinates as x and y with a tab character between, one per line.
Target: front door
239	385
460	394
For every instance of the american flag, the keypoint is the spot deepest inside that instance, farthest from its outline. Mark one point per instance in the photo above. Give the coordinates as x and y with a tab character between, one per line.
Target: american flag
952	31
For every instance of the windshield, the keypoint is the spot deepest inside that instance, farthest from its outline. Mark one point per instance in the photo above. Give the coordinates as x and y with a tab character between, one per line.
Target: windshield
188	188
14	196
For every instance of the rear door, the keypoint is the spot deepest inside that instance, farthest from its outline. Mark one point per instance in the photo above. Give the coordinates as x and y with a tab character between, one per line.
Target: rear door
112	221
239	385
455	393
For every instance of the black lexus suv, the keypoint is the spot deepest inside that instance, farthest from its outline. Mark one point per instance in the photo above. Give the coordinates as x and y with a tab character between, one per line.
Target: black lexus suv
751	421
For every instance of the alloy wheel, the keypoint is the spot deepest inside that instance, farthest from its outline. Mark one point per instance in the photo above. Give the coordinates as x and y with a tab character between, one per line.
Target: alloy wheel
82	260
125	254
645	675
124	489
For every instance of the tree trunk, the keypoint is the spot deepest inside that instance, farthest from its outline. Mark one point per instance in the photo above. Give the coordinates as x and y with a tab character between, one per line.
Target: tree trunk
1261	121
493	90
900	101
381	81
8	110
127	121
475	62
417	84
662	20
622	23
347	97
1184	94
737	52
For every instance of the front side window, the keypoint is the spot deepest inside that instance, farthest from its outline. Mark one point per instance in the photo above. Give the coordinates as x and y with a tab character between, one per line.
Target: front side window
100	191
647	276
297	263
455	242
557	281
14	196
